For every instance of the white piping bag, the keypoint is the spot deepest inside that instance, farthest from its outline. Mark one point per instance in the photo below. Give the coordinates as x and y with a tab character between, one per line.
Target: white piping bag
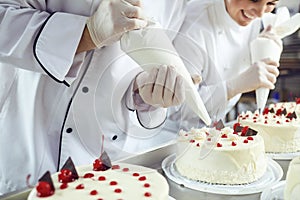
262	48
151	47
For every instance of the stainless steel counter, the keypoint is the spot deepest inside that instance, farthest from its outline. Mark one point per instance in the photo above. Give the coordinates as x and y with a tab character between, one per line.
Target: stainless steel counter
153	159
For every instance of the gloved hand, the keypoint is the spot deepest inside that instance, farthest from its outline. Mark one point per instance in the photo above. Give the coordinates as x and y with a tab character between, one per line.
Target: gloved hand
160	87
261	74
112	19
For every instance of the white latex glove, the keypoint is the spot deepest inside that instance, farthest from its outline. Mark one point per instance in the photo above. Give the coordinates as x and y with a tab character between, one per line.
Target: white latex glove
261	74
160	87
113	18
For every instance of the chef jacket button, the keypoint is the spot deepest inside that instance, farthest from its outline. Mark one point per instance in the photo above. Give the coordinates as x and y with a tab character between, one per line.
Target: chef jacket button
114	137
69	130
85	89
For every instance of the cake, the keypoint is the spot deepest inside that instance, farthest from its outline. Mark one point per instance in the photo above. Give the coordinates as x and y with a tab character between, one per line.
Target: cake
279	128
98	182
221	156
292	187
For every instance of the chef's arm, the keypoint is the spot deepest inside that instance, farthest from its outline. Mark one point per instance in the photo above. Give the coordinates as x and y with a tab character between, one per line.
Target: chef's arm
34	39
263	73
86	42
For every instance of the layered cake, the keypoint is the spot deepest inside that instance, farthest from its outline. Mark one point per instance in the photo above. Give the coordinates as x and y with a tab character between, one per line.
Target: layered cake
102	182
279	128
221	156
292	187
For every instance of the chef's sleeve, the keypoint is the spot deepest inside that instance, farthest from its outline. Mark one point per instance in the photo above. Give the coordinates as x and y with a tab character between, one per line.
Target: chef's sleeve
36	40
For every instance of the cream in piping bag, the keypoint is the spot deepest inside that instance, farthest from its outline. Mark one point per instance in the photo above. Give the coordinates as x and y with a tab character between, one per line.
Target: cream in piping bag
261	48
151	47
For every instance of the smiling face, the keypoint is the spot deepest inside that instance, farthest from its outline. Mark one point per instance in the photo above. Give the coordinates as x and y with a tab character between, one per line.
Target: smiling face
245	11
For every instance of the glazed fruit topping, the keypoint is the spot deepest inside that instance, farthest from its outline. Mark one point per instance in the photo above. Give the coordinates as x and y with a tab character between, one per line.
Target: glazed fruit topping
45	186
43	189
266	111
237	127
93	192
80	187
88	175
65	176
244	131
68	172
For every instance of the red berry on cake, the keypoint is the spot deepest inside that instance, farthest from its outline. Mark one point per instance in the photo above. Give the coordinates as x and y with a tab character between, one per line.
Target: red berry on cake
45	186
266	111
44	189
65	176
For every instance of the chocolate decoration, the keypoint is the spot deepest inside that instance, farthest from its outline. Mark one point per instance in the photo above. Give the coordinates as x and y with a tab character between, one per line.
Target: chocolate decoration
291	115
105	160
251	132
70	166
237	127
219	125
47	178
284	112
272	110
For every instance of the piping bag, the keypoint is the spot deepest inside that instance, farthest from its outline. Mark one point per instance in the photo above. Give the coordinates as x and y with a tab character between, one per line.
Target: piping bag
261	48
151	47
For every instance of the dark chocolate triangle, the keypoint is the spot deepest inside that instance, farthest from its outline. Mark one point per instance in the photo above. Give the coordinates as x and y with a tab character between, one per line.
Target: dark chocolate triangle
292	115
70	166
237	127
272	110
251	132
284	112
47	178
219	125
105	160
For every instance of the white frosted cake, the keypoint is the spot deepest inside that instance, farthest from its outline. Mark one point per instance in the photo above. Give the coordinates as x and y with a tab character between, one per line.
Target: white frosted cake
292	187
279	129
221	156
121	181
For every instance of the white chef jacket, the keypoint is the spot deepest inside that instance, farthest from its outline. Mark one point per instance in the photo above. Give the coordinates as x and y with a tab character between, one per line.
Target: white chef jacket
213	45
55	103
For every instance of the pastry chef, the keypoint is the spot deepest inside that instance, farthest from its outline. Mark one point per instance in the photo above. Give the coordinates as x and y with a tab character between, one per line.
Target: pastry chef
214	42
65	83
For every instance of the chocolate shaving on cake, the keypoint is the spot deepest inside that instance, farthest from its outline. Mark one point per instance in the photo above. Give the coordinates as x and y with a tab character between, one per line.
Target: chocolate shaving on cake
219	125
284	112
70	166
272	110
47	178
105	160
291	115
237	127
251	132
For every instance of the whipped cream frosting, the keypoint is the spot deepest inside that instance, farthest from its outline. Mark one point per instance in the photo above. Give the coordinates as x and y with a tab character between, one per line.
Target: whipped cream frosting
220	156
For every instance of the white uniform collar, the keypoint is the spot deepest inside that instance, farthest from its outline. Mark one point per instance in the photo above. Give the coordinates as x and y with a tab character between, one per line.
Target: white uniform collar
223	17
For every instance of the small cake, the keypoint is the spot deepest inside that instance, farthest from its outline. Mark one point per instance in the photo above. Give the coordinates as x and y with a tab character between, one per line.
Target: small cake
99	182
292	187
280	129
221	156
